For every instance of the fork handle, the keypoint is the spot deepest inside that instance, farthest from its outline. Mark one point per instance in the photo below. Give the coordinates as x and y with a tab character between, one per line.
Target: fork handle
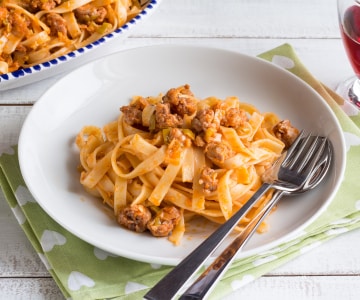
169	286
208	279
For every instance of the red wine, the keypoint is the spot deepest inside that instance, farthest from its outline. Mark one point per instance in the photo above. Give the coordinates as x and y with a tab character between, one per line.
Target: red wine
350	31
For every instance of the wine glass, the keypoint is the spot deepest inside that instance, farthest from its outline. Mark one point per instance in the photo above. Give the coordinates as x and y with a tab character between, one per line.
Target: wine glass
349	21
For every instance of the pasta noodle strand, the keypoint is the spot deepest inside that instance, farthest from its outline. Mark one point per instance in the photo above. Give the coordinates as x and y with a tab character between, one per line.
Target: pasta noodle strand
35	31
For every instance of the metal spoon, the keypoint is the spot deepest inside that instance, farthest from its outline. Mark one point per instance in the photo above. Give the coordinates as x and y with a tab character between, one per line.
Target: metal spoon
208	279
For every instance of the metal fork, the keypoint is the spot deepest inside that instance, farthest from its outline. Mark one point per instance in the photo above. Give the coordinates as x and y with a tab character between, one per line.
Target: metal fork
291	174
204	284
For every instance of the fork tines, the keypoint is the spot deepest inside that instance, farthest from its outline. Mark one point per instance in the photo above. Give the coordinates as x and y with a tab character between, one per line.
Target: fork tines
309	144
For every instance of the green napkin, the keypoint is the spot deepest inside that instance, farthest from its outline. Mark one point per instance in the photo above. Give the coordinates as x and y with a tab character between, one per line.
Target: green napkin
83	271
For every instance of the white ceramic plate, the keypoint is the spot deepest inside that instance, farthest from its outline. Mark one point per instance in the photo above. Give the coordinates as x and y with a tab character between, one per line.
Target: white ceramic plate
93	94
108	44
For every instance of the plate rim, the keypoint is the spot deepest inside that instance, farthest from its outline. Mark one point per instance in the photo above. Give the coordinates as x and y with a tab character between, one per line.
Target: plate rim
174	261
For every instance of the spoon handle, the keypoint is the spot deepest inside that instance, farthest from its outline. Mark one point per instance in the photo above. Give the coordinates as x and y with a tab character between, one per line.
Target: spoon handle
208	279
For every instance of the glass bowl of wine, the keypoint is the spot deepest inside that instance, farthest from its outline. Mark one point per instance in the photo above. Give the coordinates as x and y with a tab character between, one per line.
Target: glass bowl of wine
349	21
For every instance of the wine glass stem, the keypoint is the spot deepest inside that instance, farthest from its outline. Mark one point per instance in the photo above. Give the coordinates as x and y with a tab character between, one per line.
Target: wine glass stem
354	93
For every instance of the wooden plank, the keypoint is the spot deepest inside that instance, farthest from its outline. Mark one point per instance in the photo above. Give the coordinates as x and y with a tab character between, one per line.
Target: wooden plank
11	120
270	288
301	288
29	289
312	55
334	257
17	256
245	19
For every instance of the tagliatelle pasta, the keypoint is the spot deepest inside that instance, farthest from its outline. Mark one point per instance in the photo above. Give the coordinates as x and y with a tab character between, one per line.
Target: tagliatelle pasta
171	157
36	31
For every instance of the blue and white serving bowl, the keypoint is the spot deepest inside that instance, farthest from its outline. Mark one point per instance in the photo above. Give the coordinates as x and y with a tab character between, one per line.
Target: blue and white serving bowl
103	46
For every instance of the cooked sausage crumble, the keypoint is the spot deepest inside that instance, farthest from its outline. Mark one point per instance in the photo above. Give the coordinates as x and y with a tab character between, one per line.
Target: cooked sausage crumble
139	218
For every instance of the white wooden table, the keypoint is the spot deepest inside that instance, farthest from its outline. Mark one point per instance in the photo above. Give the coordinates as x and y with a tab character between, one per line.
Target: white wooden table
331	271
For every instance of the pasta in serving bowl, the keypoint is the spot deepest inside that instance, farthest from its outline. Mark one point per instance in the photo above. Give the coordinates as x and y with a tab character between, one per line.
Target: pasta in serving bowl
172	157
38	37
